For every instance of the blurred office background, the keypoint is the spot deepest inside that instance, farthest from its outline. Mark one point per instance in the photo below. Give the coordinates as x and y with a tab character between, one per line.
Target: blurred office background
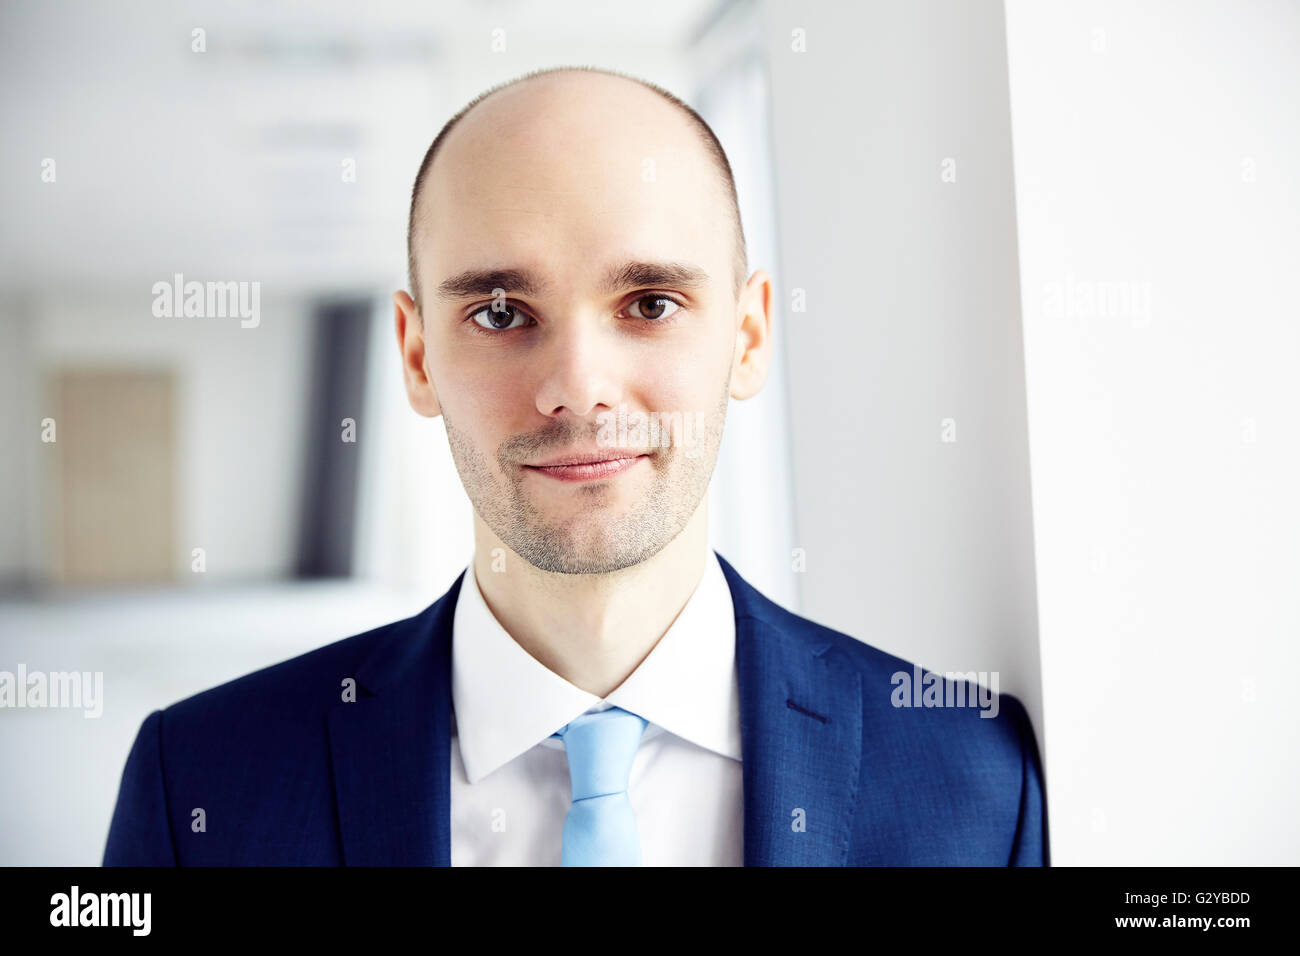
1008	240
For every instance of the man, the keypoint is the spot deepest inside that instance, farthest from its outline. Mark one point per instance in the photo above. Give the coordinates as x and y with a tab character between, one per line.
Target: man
599	687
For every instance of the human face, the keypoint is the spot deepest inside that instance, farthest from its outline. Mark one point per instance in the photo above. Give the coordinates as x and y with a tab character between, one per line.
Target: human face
566	293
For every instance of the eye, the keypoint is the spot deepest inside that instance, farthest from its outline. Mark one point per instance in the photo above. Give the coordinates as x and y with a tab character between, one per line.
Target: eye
500	319
658	307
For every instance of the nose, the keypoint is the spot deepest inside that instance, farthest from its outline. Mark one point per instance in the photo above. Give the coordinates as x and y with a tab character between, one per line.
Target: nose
582	370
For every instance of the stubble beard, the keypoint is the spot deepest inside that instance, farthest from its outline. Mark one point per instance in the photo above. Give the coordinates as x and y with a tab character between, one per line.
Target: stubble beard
601	537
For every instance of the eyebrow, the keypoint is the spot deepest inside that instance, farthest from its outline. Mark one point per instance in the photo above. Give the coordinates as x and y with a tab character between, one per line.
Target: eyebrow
477	282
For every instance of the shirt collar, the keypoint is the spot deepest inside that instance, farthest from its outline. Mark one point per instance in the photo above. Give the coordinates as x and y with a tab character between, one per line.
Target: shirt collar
506	701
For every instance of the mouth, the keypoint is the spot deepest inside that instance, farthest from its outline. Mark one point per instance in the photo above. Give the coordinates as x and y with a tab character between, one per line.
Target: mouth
588	470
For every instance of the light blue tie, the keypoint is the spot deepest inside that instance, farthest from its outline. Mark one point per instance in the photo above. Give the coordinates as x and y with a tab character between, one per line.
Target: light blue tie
600	828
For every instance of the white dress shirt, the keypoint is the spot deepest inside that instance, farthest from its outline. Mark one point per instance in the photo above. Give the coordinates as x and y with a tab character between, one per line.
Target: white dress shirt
510	787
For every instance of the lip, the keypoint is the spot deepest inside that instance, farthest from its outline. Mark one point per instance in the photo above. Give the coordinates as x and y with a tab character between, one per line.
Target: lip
588	470
580	457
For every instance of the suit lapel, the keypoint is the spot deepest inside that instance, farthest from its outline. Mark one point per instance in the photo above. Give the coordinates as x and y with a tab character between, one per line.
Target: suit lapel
391	747
801	736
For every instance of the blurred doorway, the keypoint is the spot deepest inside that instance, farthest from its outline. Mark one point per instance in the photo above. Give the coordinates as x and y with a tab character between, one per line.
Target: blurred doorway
113	501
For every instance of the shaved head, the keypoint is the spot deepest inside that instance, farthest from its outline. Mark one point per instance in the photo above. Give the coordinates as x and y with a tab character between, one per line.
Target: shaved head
711	152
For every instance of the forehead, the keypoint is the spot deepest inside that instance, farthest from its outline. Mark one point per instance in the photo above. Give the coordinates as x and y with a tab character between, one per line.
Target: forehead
567	175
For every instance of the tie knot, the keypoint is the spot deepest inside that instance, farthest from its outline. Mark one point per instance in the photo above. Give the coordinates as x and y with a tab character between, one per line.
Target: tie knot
600	749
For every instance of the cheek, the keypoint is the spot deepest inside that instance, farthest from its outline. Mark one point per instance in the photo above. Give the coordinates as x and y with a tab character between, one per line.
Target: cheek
688	382
672	386
474	393
710	356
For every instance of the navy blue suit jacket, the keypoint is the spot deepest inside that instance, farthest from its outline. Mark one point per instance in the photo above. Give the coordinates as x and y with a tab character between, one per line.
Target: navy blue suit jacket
287	772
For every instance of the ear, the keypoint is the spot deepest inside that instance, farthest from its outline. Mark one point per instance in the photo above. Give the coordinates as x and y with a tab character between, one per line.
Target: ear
410	340
753	337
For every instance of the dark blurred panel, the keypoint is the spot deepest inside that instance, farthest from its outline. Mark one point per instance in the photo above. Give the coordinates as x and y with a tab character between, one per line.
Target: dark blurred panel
331	462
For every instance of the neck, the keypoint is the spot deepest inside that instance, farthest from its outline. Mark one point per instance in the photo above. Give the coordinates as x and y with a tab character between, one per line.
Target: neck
592	629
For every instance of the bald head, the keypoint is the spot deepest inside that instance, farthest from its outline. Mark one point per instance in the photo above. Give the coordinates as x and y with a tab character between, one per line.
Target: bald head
539	109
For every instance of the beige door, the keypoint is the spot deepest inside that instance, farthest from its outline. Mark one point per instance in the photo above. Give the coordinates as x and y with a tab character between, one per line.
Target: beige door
114	495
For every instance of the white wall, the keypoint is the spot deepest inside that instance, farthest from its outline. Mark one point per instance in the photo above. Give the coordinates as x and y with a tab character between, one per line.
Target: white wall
1157	153
918	546
753	473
